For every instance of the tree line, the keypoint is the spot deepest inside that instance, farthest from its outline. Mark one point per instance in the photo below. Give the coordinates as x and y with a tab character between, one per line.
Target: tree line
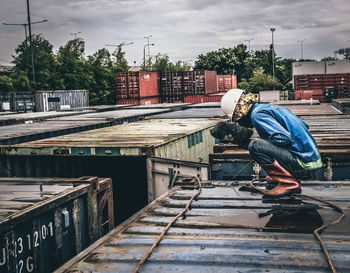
68	68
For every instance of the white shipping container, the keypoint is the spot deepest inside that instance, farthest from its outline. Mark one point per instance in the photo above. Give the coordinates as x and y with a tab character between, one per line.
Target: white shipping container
308	68
338	67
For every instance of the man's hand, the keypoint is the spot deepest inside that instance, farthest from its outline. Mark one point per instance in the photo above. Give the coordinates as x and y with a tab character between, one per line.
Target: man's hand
232	133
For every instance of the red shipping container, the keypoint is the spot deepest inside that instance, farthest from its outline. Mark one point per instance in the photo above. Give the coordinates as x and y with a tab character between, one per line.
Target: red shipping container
139	101
226	82
203	98
316	94
137	84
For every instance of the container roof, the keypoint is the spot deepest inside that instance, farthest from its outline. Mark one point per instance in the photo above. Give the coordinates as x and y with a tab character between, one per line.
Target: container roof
117	114
25	197
137	134
192	113
227	230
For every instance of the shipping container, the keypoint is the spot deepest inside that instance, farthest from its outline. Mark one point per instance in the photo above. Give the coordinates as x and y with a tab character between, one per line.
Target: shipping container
137	85
46	221
200	112
119	152
226	82
341	67
53	100
316	94
204	98
226	230
308	68
17	102
172	106
139	101
269	95
37	116
342	105
14	134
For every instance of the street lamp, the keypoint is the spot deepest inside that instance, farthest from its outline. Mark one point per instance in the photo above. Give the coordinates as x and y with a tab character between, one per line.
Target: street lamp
25	26
248	40
273	58
75	34
301	48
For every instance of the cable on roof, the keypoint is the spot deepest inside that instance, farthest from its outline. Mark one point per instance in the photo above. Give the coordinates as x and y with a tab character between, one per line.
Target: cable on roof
148	254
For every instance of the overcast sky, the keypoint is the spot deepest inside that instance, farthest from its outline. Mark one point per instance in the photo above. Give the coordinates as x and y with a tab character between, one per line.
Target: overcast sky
183	29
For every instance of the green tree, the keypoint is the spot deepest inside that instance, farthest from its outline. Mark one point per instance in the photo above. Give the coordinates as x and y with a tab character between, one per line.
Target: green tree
259	82
6	84
104	70
226	61
120	59
161	63
74	70
46	67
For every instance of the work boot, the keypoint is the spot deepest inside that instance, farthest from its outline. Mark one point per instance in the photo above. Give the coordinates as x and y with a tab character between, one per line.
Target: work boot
286	183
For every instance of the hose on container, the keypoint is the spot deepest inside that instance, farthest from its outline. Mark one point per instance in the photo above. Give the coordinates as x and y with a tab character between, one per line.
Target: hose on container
148	254
317	230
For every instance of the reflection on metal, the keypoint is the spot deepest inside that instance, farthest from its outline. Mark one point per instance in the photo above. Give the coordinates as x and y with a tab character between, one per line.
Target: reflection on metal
225	229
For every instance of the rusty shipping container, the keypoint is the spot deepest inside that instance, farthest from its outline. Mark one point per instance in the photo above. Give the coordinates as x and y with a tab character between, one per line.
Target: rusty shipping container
216	97
226	230
46	221
138	85
226	82
139	101
52	100
119	152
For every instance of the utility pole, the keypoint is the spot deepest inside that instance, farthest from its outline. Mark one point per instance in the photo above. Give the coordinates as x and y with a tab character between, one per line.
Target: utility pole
31	46
144	55
25	26
301	48
273	58
248	40
148	44
75	34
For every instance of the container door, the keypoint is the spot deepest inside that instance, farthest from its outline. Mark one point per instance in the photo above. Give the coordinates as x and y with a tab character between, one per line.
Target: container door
160	173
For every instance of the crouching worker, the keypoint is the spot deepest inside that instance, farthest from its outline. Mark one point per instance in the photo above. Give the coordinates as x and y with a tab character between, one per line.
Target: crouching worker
285	150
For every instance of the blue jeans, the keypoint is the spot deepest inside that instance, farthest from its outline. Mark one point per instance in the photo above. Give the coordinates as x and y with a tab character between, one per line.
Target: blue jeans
265	152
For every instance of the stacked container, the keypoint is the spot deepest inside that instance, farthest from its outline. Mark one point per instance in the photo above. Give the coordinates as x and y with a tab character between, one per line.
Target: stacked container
182	86
137	88
226	82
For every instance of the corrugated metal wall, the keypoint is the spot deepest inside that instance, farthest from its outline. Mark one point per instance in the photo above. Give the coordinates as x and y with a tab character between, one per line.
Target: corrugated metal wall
56	100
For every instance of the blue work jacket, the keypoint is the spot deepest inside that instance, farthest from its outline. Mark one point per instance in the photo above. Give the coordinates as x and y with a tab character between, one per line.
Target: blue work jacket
281	127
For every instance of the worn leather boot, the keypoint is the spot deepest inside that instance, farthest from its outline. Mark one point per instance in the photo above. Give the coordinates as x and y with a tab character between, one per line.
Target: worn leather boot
286	183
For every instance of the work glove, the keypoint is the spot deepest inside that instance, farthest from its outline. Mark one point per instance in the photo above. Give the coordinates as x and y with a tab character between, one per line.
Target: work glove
232	133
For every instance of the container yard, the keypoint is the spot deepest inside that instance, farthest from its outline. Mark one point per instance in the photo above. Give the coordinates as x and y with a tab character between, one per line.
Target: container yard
46	221
111	151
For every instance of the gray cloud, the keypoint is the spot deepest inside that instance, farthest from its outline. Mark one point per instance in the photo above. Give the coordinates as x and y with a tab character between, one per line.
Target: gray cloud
184	28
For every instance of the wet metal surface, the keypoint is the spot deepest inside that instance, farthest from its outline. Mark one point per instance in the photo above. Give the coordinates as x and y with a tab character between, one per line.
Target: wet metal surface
227	230
313	110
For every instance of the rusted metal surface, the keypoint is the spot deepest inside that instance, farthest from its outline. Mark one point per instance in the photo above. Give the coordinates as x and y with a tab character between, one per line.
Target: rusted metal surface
342	105
118	114
14	134
46	221
172	106
37	116
192	113
187	138
226	229
313	110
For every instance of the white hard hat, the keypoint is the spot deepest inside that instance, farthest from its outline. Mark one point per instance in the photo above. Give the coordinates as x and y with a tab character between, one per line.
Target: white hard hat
229	101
